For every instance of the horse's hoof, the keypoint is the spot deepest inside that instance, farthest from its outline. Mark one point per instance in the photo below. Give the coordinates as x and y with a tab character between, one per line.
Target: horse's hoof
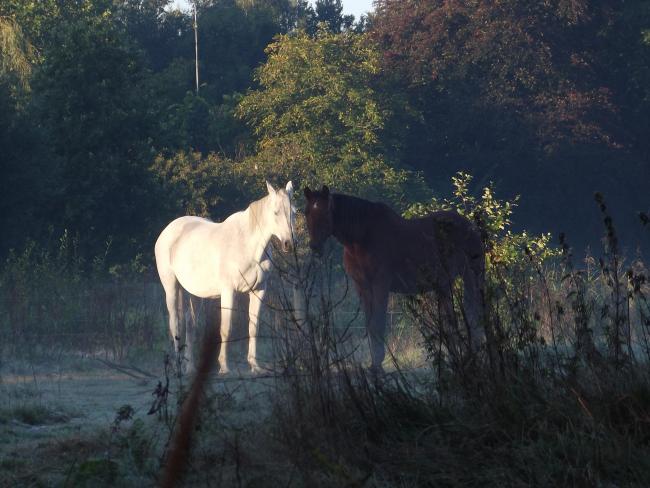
256	370
224	371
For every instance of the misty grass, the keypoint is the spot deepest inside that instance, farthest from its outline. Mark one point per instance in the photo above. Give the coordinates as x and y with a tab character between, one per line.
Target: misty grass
565	403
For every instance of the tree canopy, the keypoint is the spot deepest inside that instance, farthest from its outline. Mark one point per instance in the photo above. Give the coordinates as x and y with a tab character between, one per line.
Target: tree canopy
103	133
319	116
536	96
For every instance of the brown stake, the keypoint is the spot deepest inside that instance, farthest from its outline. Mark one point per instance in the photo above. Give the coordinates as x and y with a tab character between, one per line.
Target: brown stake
180	446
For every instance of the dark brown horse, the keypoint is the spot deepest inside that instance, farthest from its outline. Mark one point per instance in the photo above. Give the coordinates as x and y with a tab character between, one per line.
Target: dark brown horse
384	253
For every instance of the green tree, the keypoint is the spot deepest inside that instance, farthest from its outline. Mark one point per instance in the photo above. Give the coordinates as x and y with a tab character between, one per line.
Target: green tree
16	52
326	14
536	96
91	101
305	17
163	35
29	178
330	12
624	65
209	186
232	38
318	117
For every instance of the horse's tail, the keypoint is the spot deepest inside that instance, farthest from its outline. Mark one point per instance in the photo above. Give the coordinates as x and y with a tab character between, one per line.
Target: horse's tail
474	279
474	291
476	255
477	262
180	313
192	311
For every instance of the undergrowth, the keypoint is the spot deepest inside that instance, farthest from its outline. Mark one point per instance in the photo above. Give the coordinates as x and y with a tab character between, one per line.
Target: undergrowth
565	401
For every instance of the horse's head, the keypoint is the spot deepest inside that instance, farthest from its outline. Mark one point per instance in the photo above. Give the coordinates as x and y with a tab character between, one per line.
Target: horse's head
318	213
282	214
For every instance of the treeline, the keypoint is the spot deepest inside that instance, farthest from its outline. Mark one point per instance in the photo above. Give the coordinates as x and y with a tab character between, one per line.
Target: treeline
103	134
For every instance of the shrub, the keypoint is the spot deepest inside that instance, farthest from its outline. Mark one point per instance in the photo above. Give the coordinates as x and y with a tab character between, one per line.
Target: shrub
53	298
504	247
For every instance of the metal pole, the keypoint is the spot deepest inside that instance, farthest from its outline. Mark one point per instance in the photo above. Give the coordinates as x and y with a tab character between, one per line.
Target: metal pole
196	49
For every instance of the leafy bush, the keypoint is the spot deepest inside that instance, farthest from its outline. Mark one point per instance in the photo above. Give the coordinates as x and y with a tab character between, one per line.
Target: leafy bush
506	248
53	298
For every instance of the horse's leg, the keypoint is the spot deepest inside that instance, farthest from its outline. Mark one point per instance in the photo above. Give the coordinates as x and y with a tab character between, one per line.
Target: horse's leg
256	298
375	303
299	305
190	331
473	308
448	323
227	302
172	300
477	280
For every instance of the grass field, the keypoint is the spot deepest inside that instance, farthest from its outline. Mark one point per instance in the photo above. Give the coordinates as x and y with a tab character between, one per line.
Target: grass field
565	401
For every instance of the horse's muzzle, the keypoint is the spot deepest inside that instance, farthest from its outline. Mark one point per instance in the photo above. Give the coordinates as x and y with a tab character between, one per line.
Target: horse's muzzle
287	245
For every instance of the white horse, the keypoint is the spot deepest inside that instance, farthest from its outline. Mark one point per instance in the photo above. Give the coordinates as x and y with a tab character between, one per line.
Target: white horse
212	260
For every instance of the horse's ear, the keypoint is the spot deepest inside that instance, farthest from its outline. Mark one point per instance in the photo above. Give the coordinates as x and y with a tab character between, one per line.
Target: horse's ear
270	188
307	192
325	191
289	189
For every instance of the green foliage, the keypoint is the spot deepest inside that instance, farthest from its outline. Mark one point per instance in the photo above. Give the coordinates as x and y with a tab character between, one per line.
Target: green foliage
324	14
507	249
113	86
30	177
15	51
157	32
33	414
94	472
549	100
232	38
193	115
135	448
52	295
92	102
23	155
195	123
209	186
319	119
330	13
545	98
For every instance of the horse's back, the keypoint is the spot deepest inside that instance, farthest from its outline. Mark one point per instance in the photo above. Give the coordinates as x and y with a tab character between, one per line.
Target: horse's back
433	249
183	250
449	229
176	230
458	242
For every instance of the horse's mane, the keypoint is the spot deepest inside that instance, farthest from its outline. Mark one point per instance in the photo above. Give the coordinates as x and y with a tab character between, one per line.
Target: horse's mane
347	205
255	211
351	214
